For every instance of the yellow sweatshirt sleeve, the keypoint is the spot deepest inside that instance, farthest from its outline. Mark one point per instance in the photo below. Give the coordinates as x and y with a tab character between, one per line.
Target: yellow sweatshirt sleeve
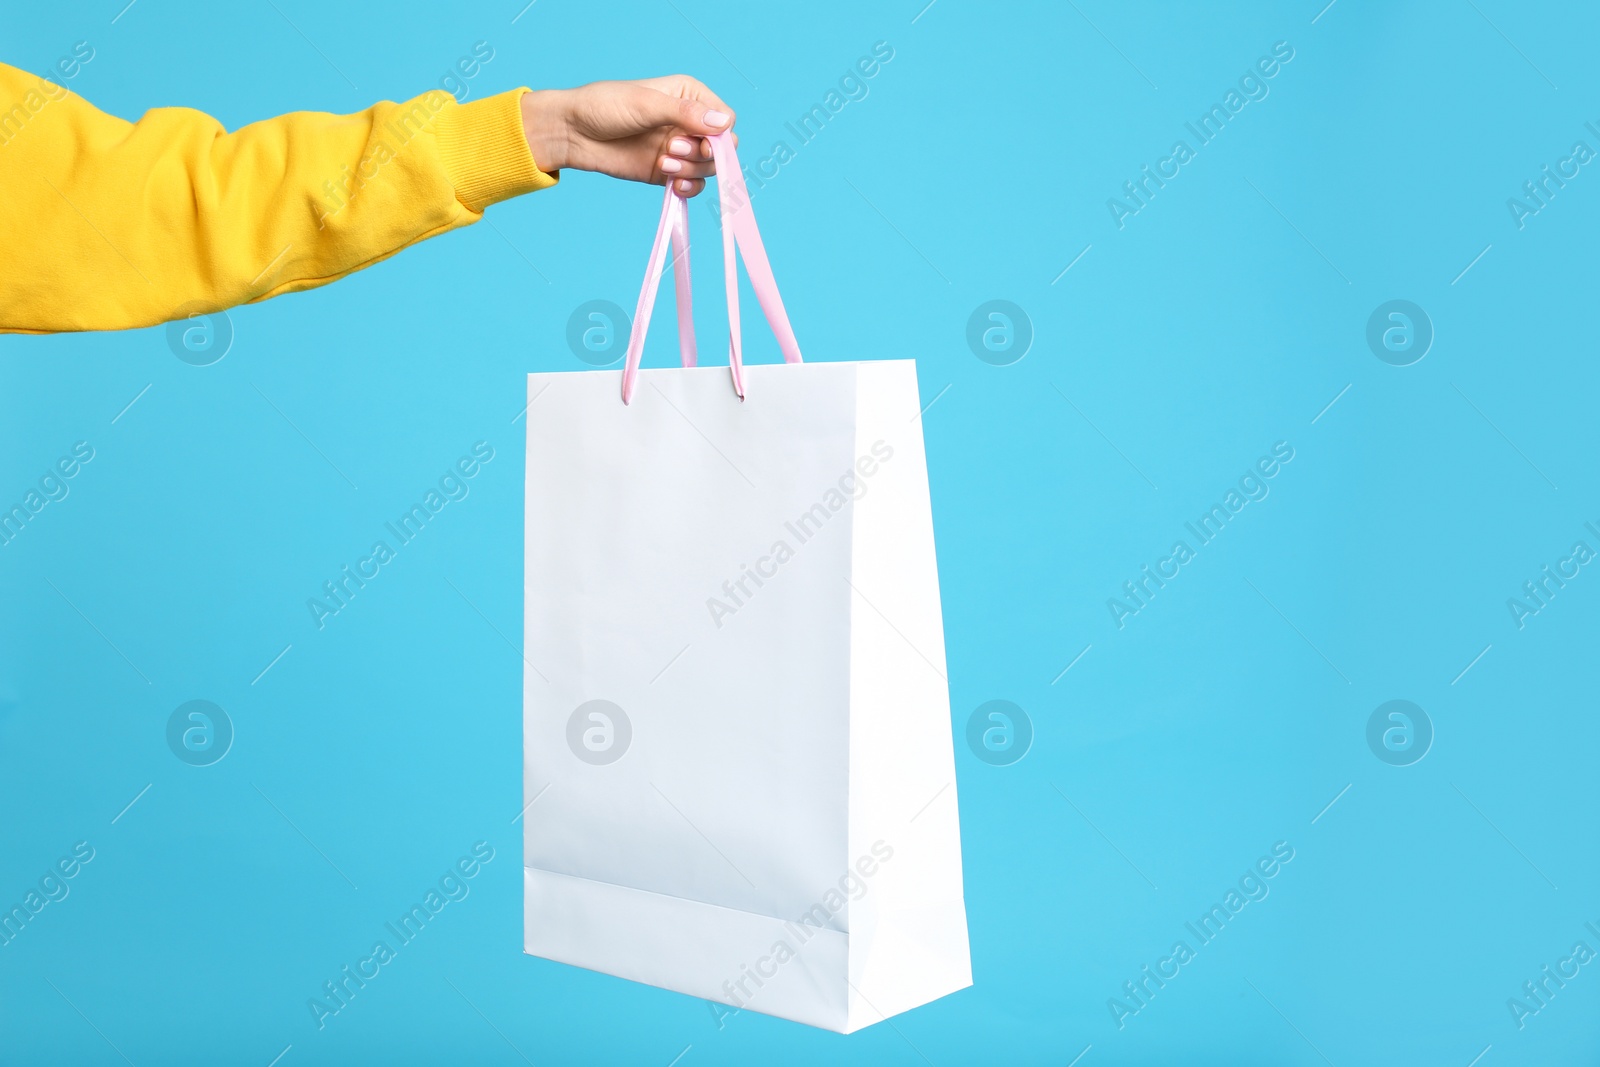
112	224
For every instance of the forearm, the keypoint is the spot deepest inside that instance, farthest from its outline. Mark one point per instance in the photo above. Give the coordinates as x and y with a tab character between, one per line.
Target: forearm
111	224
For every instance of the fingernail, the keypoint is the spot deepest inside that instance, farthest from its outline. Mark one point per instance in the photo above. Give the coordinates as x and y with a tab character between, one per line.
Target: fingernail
716	118
680	147
685	186
670	165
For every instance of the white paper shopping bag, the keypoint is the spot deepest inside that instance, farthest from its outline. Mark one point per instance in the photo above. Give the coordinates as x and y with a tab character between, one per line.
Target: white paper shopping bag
739	773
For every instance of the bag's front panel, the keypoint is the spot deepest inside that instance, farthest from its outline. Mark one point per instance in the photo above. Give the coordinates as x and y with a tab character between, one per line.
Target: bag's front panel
688	634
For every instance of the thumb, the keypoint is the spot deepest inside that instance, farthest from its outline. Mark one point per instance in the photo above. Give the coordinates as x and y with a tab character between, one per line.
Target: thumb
652	108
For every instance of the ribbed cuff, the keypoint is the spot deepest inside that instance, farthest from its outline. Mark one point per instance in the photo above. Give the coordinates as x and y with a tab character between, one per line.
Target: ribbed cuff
485	151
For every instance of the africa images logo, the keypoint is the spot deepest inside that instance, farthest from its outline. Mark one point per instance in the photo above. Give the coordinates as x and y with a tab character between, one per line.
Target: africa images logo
1205	129
1252	486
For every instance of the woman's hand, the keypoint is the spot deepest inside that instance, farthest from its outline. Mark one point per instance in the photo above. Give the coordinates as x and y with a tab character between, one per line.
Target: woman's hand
652	130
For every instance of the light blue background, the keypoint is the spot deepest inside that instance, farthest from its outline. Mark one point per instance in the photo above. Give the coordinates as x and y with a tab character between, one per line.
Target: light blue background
1223	718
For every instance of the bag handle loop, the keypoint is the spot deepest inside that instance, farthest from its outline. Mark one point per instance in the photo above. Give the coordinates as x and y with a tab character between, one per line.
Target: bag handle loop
738	231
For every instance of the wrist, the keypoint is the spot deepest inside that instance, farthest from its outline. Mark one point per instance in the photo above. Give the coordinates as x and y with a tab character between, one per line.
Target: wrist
544	124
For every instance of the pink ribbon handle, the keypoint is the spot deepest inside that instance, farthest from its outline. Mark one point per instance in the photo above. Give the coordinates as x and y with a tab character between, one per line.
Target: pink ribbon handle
738	229
671	231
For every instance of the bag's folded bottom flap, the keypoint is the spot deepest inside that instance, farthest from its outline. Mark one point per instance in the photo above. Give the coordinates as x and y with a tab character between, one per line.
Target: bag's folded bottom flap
774	966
